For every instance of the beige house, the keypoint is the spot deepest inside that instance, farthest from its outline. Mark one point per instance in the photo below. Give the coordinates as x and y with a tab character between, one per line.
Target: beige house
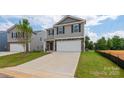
66	35
15	40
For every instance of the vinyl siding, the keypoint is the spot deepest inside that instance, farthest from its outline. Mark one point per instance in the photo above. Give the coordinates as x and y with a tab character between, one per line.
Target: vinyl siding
68	32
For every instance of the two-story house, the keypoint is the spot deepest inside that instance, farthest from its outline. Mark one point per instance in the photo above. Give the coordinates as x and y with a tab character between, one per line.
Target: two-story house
66	35
15	40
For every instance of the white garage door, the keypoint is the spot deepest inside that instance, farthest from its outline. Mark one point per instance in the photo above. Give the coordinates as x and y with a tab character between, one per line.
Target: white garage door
17	48
69	45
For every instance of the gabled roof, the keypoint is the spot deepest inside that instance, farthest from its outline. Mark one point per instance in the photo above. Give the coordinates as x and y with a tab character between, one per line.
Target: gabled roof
14	26
73	19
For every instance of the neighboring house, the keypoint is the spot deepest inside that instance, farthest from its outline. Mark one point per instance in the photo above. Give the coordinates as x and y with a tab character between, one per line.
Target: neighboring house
66	35
38	41
3	41
15	40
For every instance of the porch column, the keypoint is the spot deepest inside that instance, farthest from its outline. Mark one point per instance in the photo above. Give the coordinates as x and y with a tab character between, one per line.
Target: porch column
44	46
54	45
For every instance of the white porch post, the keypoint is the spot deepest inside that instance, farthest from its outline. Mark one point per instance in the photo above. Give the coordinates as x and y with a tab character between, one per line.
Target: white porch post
44	46
54	45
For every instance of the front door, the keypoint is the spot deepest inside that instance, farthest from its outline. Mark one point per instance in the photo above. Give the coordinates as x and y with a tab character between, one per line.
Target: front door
51	46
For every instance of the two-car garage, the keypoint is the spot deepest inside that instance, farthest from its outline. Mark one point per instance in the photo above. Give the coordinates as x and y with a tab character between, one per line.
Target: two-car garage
68	45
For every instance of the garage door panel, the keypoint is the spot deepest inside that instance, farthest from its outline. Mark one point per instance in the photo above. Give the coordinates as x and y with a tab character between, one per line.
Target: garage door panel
17	48
69	45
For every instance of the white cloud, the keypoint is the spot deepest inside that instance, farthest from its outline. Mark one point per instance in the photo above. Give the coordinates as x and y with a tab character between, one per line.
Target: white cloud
96	19
93	36
47	21
5	25
115	33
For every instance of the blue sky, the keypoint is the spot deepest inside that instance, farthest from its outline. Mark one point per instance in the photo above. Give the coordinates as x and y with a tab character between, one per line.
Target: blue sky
96	27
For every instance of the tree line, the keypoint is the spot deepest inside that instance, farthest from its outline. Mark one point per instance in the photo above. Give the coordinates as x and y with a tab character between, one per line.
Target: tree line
114	43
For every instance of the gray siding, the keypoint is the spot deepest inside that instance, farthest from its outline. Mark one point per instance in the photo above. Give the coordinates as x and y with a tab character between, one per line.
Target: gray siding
38	41
9	35
68	33
50	36
68	20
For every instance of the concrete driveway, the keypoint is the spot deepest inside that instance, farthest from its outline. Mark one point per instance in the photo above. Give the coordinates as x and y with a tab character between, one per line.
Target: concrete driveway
57	64
7	53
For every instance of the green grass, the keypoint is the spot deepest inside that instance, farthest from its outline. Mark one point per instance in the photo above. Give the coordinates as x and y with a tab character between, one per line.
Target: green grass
19	58
93	65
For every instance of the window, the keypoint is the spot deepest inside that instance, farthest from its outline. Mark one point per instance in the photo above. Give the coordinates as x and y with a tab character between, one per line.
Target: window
16	35
12	34
76	28
61	30
40	38
23	34
51	32
38	47
19	35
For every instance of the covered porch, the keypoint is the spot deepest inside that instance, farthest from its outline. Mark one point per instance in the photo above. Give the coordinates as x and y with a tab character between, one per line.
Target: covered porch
51	45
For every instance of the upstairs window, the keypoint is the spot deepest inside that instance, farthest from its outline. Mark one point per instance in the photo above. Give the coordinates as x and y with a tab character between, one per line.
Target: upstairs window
76	28
51	32
61	30
40	38
17	34
12	35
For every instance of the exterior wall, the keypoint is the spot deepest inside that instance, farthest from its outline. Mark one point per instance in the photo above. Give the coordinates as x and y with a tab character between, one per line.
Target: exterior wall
3	41
50	36
68	32
38	41
9	35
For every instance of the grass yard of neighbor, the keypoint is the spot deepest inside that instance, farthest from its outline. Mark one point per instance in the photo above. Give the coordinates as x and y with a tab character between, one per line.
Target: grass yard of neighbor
93	65
19	58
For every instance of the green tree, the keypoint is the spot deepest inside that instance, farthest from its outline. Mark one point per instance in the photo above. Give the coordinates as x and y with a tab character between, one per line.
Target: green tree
88	43
101	44
122	43
87	40
109	44
24	27
116	43
91	45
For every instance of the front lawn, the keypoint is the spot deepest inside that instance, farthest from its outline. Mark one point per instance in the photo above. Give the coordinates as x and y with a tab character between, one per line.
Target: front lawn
19	58
92	64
